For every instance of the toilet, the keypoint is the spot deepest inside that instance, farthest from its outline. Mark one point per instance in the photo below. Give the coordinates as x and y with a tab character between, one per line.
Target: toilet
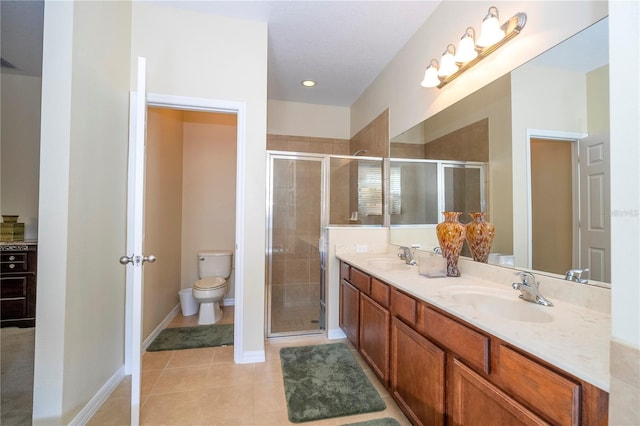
214	267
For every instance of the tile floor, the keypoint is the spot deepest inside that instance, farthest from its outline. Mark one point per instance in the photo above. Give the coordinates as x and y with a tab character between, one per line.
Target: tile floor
16	382
204	387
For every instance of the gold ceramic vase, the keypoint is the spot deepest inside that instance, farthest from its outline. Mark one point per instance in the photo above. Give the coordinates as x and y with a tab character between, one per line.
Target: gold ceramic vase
451	234
480	235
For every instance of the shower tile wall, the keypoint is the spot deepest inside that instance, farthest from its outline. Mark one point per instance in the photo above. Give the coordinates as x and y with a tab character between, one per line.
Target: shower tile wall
308	144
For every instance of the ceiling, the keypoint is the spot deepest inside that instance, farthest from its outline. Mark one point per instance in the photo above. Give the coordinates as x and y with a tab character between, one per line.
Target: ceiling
342	45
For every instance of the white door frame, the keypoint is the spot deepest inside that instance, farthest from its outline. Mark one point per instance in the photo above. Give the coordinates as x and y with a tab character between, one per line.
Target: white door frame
229	107
545	134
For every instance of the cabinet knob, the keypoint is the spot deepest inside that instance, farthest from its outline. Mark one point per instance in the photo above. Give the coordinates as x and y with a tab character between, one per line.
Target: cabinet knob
12	258
12	265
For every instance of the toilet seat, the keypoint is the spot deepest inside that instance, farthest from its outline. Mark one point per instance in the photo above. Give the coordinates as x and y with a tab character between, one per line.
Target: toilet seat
209	283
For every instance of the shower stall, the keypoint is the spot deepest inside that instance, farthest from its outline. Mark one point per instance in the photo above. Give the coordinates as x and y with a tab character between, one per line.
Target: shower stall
296	221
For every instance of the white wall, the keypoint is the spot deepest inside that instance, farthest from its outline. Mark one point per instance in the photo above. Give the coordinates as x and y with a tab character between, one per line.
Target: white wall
84	134
212	57
209	191
20	149
301	119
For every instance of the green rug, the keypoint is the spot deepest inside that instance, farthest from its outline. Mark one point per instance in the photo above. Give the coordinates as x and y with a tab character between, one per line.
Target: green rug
325	381
201	336
387	421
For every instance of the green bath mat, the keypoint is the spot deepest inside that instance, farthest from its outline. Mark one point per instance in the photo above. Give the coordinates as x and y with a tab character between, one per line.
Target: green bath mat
325	381
201	336
387	421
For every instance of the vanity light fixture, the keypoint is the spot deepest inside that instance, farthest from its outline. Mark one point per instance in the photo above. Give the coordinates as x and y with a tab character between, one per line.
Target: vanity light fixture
308	83
470	52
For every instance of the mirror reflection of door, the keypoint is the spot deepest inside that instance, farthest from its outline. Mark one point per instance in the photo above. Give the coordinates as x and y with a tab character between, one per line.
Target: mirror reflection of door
552	205
595	231
569	206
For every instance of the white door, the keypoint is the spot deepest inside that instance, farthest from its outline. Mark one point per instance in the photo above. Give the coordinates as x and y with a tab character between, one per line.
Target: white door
595	230
135	238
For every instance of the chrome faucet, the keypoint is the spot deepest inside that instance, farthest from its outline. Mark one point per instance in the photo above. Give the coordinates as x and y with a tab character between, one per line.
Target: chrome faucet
576	275
407	255
529	289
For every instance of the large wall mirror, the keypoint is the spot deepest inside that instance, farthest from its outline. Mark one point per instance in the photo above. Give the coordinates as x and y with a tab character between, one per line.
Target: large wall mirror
543	133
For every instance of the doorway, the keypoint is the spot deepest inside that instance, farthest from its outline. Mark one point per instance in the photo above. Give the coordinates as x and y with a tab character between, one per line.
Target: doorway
553	209
295	284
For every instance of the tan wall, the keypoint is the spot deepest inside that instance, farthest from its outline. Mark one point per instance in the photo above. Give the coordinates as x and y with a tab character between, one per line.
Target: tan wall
213	57
302	119
209	191
469	143
20	149
163	215
598	100
82	213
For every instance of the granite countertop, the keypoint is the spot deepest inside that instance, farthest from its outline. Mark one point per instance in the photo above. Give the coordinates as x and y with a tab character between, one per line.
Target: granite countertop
11	245
573	338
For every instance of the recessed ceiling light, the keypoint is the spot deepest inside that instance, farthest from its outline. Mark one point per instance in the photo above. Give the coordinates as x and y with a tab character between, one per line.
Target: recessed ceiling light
308	83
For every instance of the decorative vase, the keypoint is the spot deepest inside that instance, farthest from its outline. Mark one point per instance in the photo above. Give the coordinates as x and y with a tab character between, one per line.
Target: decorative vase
480	235
451	237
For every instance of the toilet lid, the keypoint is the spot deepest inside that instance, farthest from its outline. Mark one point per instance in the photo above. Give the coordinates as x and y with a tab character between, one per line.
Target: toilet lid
210	283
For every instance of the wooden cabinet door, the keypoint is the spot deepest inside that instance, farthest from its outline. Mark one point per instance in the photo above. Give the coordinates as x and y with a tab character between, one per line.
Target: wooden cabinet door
350	311
475	401
374	336
417	375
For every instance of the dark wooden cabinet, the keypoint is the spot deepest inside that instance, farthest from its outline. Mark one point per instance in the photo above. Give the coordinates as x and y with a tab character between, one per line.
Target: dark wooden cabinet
18	285
417	375
350	312
374	336
443	370
476	401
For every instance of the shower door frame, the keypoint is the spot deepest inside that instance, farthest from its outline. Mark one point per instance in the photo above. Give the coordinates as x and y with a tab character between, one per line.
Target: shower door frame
272	156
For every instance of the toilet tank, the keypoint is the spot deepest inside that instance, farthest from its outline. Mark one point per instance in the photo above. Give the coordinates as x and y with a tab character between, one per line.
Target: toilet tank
214	263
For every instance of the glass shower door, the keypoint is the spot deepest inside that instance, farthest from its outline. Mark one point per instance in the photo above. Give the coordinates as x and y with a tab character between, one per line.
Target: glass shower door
295	224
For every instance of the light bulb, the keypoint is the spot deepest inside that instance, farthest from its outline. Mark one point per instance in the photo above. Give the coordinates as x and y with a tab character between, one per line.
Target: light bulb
466	48
491	33
431	75
447	62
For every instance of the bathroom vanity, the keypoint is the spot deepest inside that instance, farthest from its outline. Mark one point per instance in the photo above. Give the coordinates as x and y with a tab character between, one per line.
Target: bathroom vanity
468	351
18	262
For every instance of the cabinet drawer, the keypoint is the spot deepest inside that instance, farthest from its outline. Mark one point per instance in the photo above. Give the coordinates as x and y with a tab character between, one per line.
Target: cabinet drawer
403	306
13	267
360	280
13	287
556	396
13	308
380	292
344	271
468	344
13	257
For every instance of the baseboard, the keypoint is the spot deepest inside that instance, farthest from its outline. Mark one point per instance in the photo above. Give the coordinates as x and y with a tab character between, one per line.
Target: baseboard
165	322
229	301
94	404
335	333
251	357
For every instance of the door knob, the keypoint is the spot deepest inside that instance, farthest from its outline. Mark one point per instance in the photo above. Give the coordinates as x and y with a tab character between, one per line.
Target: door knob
151	258
126	259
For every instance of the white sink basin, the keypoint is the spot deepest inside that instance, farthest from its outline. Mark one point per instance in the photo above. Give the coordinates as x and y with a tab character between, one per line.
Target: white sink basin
502	305
387	264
